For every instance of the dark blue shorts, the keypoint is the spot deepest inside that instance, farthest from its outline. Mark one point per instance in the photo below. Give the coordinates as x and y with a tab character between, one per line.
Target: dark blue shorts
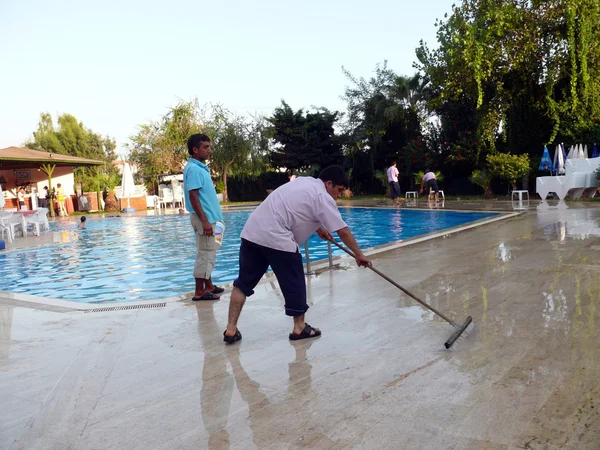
395	189
287	266
432	184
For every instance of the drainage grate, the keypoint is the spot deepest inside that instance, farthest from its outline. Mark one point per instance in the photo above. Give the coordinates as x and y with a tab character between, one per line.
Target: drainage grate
121	308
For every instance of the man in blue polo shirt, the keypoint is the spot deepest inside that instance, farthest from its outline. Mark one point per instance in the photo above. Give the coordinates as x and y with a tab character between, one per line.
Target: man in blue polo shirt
205	211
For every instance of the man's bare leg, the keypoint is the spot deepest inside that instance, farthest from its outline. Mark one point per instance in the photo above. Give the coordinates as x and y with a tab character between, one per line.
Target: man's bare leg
236	303
299	325
202	287
208	285
199	292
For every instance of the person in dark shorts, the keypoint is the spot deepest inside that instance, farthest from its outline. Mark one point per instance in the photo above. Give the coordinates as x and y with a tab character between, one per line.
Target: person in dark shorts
392	176
431	181
271	236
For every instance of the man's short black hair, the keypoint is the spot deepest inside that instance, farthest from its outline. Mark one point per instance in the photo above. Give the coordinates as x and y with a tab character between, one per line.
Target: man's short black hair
83	219
336	175
194	141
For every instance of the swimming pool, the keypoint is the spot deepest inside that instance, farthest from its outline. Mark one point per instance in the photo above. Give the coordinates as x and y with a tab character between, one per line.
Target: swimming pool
131	258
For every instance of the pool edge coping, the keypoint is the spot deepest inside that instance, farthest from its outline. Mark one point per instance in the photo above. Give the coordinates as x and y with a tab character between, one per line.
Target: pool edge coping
318	265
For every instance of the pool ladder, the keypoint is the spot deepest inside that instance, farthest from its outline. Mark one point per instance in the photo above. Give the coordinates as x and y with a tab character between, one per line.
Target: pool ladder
307	257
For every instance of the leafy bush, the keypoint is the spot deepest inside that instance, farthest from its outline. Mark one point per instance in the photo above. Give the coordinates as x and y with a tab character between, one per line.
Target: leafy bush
509	167
219	186
484	179
254	188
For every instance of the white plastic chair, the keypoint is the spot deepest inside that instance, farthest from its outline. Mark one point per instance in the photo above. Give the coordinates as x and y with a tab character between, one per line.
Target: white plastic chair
44	218
178	195
13	222
157	202
5	230
167	196
35	221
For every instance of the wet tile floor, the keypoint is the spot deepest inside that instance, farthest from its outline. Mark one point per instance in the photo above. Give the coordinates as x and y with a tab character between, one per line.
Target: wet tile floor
379	378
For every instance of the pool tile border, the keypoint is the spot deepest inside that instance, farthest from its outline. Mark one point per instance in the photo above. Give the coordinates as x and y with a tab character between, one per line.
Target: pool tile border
39	302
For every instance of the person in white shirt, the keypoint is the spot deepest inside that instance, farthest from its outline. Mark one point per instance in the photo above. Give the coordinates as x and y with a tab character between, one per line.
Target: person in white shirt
432	185
21	198
43	197
392	176
271	236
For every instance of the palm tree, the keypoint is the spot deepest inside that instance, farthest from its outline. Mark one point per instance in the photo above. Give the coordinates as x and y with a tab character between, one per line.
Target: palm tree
412	92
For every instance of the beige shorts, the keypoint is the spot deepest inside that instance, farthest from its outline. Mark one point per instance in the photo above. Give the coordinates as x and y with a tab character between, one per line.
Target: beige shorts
206	250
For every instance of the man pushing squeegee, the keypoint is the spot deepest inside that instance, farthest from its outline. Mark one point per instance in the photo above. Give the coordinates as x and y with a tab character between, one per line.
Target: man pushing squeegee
270	237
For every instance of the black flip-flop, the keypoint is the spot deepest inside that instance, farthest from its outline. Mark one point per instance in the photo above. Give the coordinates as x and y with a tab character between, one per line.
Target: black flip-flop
305	333
218	290
232	339
206	296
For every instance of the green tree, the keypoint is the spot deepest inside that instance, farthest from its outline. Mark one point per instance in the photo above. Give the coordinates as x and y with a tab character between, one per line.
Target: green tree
483	178
71	137
238	146
384	120
160	148
304	140
526	73
509	167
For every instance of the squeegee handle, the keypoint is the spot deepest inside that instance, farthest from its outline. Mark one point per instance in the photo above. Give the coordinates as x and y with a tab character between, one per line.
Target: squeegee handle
410	294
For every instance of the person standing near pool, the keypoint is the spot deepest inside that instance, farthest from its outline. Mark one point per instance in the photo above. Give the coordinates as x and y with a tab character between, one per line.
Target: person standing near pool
392	175
21	198
43	197
205	211
61	198
286	219
431	181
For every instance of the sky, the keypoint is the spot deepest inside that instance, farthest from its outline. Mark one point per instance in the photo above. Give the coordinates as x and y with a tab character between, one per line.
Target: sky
116	64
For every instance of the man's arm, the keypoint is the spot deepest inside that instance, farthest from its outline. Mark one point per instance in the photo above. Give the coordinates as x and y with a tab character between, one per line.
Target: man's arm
422	184
348	238
197	206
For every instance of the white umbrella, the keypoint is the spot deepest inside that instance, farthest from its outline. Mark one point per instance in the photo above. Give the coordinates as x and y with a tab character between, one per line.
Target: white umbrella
127	183
571	153
585	152
559	162
1	198
581	152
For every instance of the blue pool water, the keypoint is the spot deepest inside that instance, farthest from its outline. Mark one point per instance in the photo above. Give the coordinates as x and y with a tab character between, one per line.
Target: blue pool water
149	257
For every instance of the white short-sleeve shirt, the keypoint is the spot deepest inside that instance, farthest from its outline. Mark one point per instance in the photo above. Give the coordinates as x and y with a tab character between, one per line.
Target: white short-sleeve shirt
291	213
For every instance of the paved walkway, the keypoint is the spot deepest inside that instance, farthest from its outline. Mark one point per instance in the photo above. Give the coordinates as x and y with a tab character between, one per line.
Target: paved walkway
378	378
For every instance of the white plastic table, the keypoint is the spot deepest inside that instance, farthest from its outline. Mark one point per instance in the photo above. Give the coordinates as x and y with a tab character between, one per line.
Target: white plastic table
520	194
520	204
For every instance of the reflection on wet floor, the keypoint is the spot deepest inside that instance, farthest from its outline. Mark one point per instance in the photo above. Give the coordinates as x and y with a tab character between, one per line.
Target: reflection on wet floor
525	377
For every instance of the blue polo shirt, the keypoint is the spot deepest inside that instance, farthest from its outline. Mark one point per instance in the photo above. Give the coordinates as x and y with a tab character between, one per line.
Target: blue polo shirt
197	176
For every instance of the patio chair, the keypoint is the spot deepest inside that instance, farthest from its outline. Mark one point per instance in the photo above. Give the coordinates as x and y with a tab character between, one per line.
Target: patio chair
166	196
178	195
5	230
156	202
13	222
36	221
44	224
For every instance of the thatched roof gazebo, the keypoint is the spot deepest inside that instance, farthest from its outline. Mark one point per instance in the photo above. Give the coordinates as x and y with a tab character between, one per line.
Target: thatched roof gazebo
15	158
